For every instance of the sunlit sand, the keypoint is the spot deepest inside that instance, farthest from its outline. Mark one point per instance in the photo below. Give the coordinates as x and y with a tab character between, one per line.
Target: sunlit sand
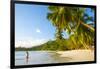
78	55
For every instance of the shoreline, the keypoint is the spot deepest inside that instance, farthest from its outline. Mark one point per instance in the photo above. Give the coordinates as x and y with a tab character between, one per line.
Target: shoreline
79	55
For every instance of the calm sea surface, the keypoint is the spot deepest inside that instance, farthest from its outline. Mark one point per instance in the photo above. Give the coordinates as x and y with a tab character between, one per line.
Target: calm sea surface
38	57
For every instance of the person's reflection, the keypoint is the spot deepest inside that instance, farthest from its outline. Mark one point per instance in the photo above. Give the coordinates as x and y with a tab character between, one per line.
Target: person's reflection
27	57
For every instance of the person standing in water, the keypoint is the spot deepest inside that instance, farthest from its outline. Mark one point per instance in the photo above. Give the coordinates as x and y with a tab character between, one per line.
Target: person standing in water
27	56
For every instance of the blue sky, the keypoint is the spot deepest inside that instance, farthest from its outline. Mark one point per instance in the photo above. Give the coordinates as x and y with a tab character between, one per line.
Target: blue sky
31	25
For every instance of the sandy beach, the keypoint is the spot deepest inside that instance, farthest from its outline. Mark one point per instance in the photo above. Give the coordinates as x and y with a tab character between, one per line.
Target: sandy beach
78	55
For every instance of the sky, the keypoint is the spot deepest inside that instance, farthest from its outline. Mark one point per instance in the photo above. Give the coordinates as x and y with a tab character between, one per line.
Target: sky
32	26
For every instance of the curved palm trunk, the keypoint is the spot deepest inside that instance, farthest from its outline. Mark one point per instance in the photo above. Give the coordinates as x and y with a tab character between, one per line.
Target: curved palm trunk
88	26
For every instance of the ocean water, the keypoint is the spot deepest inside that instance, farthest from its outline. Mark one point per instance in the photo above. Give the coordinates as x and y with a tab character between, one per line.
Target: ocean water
38	57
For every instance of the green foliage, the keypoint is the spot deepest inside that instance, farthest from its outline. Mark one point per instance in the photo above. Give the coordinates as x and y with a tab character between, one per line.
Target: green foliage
83	38
75	21
55	45
49	46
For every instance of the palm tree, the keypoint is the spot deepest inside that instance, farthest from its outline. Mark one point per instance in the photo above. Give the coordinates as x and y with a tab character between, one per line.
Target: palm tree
74	20
60	17
84	33
64	17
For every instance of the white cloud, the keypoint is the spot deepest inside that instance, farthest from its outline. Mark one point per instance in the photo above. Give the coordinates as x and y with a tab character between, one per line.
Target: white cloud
38	30
30	43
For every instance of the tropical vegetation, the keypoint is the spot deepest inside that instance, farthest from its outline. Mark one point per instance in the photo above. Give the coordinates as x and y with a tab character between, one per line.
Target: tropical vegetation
75	22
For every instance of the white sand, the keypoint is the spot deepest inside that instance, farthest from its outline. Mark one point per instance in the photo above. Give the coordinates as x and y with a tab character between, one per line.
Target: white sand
78	55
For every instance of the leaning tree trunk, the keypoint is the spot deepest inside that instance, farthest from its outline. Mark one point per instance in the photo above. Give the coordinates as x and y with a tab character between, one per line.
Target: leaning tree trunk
88	26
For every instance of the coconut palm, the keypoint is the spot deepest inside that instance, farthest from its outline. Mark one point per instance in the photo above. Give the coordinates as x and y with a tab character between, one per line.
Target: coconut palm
60	18
74	20
84	33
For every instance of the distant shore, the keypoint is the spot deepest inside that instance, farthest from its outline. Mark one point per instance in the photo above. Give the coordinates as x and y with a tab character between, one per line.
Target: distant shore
78	55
